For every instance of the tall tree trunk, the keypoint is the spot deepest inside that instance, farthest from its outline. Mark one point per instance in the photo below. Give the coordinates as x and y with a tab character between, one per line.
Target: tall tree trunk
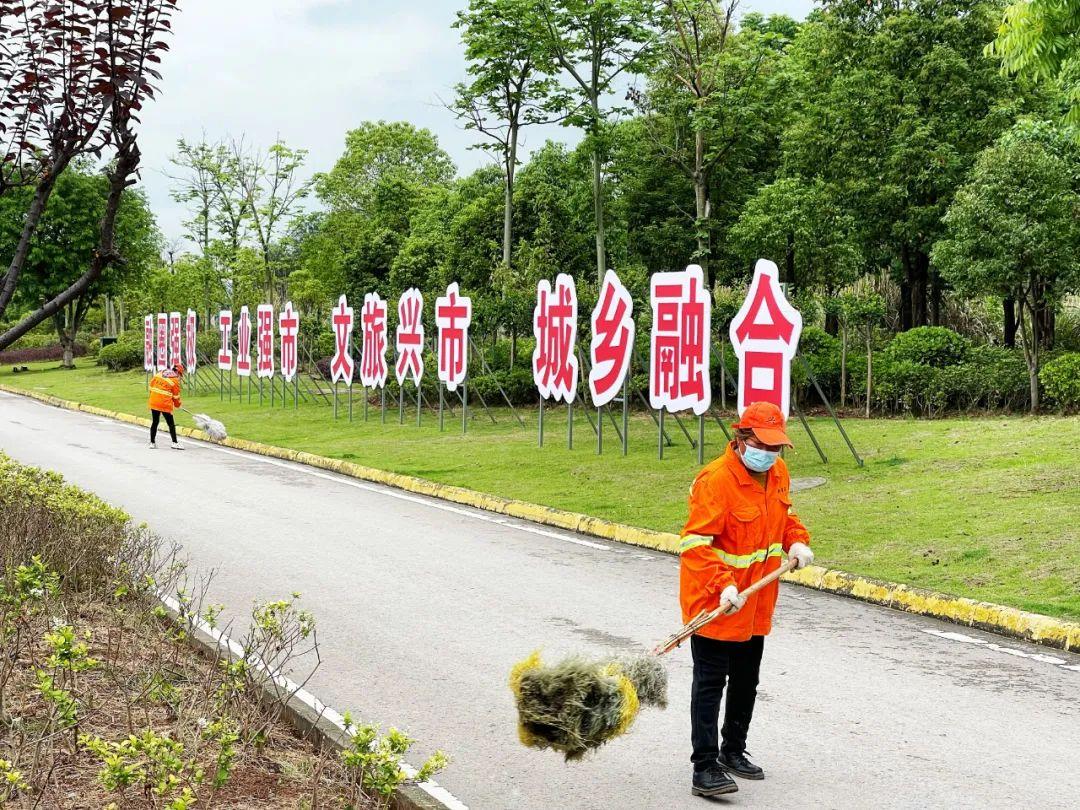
843	363
1009	315
1043	320
907	283
919	288
869	367
508	202
598	192
701	208
935	298
1031	350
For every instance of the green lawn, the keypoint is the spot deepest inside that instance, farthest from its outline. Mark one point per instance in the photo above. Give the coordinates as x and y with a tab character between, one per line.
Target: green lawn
987	508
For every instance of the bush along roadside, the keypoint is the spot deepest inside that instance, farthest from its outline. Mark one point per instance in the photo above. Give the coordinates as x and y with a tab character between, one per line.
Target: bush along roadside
103	695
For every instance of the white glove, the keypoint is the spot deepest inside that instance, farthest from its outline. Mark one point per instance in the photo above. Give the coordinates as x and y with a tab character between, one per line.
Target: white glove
801	554
730	594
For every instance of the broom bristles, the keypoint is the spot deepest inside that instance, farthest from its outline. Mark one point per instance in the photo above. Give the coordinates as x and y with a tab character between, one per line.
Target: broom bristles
577	705
212	427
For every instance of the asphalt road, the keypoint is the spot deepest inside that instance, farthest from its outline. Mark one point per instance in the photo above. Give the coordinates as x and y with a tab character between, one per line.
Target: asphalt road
423	607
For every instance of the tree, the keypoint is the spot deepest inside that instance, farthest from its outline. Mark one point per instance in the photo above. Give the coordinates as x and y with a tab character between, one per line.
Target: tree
709	102
64	243
1038	38
895	100
1014	228
271	193
68	92
507	89
594	42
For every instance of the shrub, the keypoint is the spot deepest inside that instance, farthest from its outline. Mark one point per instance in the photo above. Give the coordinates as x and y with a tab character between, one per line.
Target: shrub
1060	379
125	354
517	383
43	516
929	346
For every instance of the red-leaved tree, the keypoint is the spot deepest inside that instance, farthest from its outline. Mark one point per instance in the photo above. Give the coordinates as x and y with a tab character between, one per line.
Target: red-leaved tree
75	75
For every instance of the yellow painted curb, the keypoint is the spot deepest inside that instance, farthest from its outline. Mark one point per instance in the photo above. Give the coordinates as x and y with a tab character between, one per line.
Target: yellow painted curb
1008	621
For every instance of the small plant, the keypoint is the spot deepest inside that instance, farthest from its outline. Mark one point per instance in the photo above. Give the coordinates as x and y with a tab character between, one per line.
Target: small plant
65	708
373	763
66	653
11	782
154	762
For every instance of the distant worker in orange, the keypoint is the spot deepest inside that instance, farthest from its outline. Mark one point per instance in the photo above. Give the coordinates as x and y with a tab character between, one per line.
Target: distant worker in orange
741	523
164	397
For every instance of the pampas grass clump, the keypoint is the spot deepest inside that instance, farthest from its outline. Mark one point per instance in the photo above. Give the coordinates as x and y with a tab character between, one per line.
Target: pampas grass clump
577	705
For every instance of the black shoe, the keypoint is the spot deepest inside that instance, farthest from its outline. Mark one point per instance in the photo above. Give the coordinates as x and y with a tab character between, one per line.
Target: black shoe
712	782
739	765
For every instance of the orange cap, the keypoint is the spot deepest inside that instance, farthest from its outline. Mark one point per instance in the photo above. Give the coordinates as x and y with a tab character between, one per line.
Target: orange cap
179	369
767	421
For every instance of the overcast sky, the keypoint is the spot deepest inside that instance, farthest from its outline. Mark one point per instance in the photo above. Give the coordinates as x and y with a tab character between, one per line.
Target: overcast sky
310	70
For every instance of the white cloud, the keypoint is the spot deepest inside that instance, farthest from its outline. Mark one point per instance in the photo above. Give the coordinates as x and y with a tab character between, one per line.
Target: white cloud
310	70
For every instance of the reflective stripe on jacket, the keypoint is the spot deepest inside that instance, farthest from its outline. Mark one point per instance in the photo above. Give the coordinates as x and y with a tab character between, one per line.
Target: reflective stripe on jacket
737	533
165	392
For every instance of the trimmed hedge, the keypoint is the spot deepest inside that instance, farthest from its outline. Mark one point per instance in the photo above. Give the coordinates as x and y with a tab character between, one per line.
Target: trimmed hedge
41	354
125	354
73	532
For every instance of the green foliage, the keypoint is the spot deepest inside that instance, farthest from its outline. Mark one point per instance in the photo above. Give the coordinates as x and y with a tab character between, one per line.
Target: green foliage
41	516
1061	380
151	761
1037	38
929	346
374	762
126	353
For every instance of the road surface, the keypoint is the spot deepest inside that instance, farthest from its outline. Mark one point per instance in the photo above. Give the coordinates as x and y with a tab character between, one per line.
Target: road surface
424	606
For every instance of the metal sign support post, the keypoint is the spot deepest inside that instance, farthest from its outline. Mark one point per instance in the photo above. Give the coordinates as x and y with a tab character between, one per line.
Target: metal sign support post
570	425
296	392
230	383
660	434
701	439
221	384
540	435
260	392
382	402
599	431
364	389
440	406
626	414
419	404
401	405
335	396
464	406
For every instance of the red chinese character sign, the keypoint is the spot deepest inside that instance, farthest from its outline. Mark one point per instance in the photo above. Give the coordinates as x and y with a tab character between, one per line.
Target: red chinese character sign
612	340
453	314
224	358
243	343
264	340
373	369
765	335
148	343
341	319
679	344
288	328
191	346
555	366
410	337
162	341
174	338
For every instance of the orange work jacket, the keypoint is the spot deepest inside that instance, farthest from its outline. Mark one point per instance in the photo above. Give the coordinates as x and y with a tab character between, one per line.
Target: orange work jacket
736	534
165	392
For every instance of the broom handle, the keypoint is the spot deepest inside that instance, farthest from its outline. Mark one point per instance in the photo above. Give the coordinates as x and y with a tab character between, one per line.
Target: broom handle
704	617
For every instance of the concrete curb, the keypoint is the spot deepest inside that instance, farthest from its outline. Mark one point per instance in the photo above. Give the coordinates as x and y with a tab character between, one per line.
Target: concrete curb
1008	621
303	711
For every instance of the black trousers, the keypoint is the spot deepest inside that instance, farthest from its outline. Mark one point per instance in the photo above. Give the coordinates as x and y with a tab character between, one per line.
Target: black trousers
155	417
735	664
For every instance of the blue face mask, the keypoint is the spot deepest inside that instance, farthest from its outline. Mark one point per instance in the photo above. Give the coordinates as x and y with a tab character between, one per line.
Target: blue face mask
757	459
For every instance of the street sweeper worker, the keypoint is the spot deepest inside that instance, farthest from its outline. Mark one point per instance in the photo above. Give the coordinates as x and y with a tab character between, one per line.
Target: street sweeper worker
741	524
164	397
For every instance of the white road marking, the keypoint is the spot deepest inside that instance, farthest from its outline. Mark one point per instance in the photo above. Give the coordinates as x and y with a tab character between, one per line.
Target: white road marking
963	639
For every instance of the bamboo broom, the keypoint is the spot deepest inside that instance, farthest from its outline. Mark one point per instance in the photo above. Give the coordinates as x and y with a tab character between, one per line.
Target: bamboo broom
578	705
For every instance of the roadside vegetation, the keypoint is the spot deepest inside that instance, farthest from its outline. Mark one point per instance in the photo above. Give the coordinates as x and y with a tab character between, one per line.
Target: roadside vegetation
103	701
